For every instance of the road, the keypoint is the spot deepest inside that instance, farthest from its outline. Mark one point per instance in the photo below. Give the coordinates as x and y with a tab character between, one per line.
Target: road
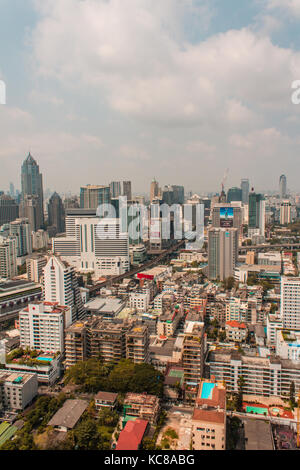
134	271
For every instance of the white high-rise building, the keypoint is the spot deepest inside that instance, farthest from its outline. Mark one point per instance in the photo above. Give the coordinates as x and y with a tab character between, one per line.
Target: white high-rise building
94	245
61	286
222	252
290	302
285	212
20	229
8	257
34	267
42	326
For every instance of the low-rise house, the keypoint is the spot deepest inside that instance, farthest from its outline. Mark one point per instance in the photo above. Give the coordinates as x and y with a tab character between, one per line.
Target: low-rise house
68	415
143	406
132	435
105	400
236	331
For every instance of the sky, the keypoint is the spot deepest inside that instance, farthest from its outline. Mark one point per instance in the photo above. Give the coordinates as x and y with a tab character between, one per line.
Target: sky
179	90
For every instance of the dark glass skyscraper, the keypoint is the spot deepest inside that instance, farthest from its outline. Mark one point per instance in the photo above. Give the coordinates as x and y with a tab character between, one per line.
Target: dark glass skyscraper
245	190
282	186
32	184
56	214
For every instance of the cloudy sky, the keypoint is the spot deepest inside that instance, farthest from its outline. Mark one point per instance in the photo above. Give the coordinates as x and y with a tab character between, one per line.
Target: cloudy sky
102	90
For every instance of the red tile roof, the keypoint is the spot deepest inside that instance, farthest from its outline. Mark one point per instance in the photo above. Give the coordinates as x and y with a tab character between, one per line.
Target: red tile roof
132	435
236	324
209	416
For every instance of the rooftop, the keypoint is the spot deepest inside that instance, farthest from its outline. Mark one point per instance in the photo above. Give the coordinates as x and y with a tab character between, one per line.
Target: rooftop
69	414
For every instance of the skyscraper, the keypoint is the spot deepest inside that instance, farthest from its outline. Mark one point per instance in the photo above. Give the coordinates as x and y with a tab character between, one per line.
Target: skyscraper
282	186
20	229
234	194
256	224
285	212
8	257
154	190
61	285
9	210
127	190
30	209
222	252
245	191
115	189
92	196
56	213
32	185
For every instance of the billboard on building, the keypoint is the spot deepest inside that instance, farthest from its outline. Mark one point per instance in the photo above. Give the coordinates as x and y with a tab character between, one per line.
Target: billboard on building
226	217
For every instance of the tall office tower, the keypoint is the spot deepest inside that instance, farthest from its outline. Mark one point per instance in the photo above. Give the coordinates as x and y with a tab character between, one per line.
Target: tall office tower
61	285
20	229
8	257
257	209
34	267
234	194
282	186
227	216
285	212
154	190
30	209
168	195
178	194
11	190
245	190
9	209
32	185
56	214
93	245
115	189
92	196
42	326
127	190
222	252
290	302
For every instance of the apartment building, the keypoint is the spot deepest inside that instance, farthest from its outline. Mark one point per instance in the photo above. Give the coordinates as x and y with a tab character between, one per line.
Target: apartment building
290	302
139	301
168	322
107	339
236	331
34	267
137	344
209	417
143	406
42	326
75	343
263	376
193	358
17	390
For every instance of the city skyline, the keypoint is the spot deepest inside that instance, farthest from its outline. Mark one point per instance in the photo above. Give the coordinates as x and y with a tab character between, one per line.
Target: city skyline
190	116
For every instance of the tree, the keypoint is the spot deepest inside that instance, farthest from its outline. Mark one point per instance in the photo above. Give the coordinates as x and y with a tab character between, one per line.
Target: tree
292	394
239	401
229	283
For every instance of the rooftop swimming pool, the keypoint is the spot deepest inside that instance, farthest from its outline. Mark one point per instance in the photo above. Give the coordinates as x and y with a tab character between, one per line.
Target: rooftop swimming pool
206	392
46	359
257	410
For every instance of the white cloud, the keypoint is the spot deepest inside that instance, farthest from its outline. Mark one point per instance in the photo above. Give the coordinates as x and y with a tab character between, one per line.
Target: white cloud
287	6
133	53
